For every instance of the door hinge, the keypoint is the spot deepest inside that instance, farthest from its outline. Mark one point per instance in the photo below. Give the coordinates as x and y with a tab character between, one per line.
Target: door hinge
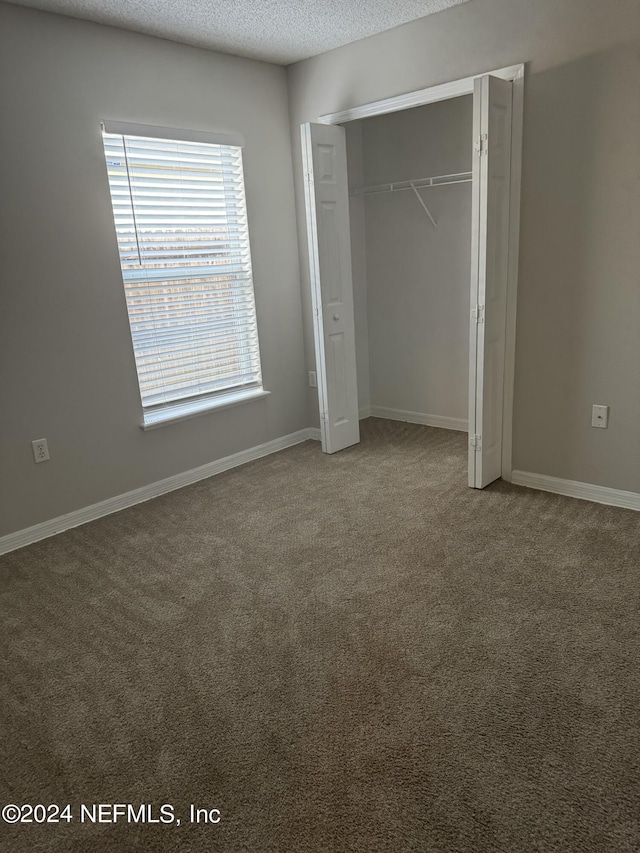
482	144
324	416
309	178
475	441
477	313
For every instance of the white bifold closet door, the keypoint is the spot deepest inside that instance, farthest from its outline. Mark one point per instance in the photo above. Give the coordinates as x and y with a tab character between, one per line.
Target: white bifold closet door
489	272
327	206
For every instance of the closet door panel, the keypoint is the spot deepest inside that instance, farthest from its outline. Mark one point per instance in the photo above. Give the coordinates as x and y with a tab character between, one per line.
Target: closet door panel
327	209
490	257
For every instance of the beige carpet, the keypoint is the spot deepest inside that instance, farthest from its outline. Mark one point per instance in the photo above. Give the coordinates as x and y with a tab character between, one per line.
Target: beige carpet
345	653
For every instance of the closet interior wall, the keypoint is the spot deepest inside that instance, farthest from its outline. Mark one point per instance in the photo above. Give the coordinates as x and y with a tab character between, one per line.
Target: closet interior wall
411	280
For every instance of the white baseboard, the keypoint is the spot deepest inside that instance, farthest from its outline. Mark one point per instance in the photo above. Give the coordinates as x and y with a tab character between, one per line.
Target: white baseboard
364	412
90	513
574	489
441	421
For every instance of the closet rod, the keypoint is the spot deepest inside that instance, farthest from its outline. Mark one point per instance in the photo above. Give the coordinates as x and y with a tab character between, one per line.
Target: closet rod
416	184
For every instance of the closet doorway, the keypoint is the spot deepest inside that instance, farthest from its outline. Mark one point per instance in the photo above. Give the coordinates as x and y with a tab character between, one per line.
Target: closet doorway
484	184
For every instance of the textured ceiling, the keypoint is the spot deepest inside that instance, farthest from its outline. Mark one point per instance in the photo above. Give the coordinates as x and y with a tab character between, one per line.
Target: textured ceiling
281	31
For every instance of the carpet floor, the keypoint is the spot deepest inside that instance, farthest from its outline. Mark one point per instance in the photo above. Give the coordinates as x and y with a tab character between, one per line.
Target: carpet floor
339	653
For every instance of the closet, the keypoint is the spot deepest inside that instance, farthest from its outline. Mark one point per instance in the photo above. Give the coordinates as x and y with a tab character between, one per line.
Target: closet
413	251
409	176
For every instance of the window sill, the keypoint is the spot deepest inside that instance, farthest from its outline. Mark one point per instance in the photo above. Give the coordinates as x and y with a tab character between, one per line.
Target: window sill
193	409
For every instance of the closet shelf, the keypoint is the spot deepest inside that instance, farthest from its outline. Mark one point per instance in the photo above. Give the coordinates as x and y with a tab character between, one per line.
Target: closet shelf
414	186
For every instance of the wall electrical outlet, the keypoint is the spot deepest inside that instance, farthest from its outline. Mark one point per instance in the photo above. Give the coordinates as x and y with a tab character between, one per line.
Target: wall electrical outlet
313	379
40	449
600	416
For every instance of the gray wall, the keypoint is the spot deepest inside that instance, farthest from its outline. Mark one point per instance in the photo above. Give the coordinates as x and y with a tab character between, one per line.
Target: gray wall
417	276
578	338
68	370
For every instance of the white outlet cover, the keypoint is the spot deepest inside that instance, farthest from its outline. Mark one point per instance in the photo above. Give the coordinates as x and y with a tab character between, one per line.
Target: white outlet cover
40	449
600	416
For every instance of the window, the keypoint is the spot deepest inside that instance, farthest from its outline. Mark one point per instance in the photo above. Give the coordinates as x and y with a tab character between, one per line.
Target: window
181	224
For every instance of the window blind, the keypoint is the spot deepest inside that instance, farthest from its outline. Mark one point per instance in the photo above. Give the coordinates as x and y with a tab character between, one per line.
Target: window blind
181	224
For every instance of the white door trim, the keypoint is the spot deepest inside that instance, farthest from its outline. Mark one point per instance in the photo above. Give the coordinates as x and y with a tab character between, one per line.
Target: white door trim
420	97
454	89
